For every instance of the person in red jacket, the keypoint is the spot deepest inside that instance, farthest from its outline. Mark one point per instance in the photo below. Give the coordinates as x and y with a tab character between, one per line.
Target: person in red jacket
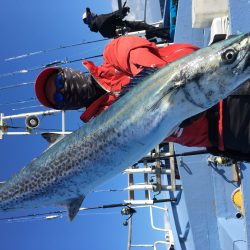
65	88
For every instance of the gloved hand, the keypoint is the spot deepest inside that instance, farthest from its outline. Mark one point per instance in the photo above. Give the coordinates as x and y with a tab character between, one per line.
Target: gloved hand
125	10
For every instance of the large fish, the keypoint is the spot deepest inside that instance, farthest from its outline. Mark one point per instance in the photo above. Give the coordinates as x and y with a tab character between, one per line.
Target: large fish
66	172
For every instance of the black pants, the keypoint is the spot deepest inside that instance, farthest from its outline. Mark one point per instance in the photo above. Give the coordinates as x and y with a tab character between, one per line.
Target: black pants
236	124
236	119
151	31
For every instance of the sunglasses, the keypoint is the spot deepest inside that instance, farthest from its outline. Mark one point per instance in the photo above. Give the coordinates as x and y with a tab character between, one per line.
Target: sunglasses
59	84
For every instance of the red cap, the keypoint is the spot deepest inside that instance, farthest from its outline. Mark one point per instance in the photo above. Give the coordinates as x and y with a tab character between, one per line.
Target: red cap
39	85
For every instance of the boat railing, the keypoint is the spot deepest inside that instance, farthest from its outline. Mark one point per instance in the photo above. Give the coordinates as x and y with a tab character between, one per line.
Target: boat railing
156	165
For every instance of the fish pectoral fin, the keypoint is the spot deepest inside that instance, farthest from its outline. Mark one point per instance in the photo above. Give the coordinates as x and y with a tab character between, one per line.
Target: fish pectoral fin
73	206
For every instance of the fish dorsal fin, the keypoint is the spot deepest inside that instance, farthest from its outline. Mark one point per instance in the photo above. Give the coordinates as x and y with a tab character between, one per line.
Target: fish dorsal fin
52	138
138	78
73	206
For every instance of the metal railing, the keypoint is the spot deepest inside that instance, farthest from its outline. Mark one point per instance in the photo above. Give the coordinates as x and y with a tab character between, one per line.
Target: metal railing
158	169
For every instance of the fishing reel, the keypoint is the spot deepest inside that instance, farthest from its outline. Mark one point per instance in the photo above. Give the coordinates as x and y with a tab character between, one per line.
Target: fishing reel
220	160
32	122
121	31
127	211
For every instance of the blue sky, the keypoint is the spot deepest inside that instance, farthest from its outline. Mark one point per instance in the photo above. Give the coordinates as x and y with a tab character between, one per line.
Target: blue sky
29	26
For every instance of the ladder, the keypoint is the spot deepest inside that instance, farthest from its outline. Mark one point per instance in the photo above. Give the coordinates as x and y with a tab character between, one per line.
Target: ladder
156	164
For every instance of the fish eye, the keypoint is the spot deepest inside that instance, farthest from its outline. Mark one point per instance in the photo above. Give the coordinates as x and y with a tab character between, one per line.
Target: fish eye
229	56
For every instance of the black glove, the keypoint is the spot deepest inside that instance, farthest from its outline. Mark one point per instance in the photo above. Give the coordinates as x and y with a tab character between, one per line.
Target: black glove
125	10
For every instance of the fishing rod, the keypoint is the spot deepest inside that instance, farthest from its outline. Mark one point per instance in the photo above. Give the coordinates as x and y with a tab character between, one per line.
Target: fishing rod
167	156
24	71
16	85
53	49
32	99
61	212
27	107
55	63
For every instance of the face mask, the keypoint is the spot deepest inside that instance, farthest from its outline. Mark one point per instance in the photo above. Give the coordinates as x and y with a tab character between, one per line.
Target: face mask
75	90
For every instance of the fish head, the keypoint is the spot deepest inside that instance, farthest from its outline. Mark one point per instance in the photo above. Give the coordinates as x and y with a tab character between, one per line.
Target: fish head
234	58
229	63
216	71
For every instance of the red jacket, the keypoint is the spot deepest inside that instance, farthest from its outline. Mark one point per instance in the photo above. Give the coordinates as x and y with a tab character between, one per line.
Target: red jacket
122	60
